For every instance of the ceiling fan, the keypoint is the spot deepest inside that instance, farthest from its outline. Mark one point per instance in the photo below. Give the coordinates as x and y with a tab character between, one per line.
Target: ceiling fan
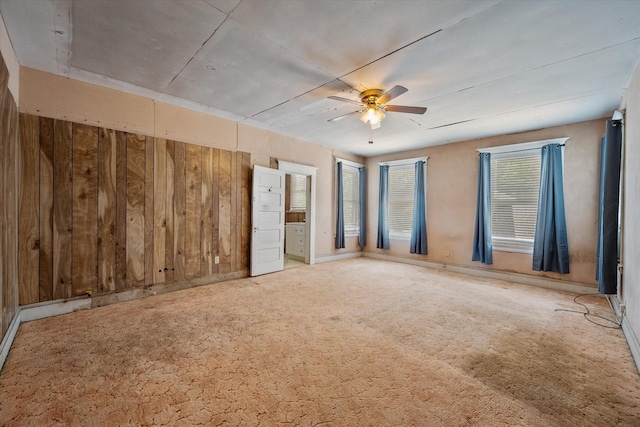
373	103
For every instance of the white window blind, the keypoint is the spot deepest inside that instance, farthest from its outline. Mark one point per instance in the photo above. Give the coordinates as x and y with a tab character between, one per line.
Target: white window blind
298	193
351	199
401	183
515	183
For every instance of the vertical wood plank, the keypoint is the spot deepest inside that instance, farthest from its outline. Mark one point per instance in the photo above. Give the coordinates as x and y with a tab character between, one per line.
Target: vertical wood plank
215	212
193	211
148	211
159	211
169	209
62	209
121	210
239	174
246	209
28	219
233	212
206	265
180	211
46	210
136	146
84	267
107	148
224	205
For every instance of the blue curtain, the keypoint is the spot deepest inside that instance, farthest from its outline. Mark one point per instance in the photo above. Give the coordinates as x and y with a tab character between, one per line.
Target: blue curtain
419	222
550	245
340	208
609	204
482	246
383	209
362	180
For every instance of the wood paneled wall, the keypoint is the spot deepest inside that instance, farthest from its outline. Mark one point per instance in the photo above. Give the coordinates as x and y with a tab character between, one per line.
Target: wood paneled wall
8	202
104	210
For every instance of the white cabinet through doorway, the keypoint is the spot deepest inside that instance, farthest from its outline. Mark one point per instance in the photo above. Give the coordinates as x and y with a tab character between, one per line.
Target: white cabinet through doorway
295	239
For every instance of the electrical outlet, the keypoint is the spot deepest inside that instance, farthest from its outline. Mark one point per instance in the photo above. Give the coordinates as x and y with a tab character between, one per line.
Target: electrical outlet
447	253
216	260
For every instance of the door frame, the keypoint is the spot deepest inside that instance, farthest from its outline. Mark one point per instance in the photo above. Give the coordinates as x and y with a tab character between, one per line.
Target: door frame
310	216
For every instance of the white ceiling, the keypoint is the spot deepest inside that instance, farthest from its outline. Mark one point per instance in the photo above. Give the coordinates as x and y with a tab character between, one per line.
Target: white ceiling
483	67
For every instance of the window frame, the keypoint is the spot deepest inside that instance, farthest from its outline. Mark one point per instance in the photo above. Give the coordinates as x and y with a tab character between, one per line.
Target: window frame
292	192
524	149
405	164
351	231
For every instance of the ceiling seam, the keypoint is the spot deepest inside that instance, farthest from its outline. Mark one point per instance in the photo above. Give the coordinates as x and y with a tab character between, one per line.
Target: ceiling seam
339	78
530	70
197	52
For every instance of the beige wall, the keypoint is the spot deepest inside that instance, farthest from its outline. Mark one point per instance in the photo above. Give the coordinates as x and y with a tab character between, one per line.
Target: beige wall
631	200
9	187
451	196
47	95
11	62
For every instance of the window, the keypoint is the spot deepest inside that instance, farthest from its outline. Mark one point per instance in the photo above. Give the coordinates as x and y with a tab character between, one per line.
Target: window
401	182
298	193
515	184
351	198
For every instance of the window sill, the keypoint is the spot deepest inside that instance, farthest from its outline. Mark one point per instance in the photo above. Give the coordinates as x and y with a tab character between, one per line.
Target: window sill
516	251
400	236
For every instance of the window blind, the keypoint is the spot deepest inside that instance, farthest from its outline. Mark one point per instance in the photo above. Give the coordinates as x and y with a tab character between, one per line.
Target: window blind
401	183
515	184
298	193
351	200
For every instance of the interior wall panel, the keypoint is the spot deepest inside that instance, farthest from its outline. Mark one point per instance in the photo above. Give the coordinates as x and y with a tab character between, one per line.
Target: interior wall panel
121	210
169	211
62	209
206	251
136	146
180	209
107	147
84	236
193	211
45	280
29	221
224	212
148	210
159	211
107	210
215	212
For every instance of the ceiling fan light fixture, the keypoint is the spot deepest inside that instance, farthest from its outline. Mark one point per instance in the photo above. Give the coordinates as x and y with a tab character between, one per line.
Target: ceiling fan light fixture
372	115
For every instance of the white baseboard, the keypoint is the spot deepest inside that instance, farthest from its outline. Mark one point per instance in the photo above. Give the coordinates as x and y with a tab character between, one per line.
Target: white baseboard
329	258
524	279
629	334
40	310
7	341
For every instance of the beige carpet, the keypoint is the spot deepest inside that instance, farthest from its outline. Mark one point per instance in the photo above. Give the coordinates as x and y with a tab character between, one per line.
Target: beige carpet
350	343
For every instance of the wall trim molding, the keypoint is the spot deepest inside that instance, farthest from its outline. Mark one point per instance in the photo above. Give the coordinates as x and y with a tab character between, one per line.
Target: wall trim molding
7	341
163	288
523	279
337	257
627	330
632	340
41	310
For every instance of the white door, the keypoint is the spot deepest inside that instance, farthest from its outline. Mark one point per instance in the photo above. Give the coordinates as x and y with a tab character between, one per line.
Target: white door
267	221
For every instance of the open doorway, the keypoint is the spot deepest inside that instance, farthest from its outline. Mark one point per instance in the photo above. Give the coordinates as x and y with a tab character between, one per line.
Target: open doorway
299	214
295	219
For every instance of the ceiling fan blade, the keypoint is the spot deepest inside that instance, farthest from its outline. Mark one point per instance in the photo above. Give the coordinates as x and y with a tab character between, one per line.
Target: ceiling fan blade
405	109
350	101
335	119
392	93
